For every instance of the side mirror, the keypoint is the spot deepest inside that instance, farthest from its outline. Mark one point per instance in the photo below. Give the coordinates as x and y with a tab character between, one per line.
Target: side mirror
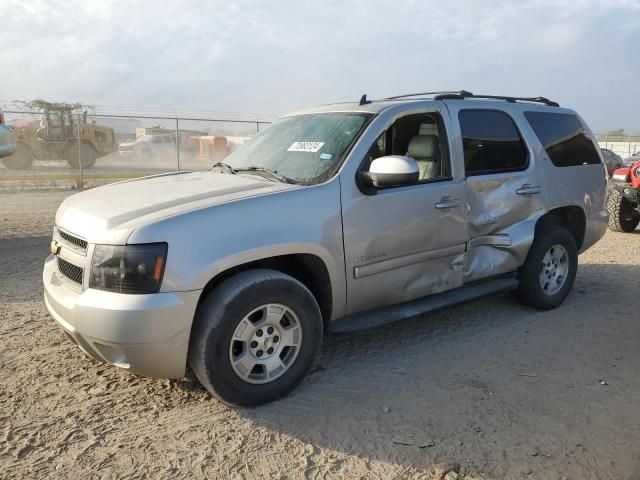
392	171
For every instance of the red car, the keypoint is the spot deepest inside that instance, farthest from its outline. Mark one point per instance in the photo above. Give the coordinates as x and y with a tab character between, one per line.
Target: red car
623	201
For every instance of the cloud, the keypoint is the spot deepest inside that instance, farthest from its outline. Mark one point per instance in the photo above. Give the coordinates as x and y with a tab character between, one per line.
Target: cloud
276	56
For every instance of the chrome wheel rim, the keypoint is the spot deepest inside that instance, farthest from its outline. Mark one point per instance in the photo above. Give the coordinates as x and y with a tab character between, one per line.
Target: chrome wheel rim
265	343
555	268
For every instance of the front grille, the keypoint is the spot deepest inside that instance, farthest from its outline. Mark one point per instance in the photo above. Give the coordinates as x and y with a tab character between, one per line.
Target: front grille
76	243
71	271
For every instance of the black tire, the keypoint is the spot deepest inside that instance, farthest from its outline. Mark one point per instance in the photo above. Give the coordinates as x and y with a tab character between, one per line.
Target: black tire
21	159
216	321
622	215
87	152
530	291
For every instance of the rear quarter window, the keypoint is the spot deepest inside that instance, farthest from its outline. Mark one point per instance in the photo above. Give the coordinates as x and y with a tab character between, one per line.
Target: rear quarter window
564	138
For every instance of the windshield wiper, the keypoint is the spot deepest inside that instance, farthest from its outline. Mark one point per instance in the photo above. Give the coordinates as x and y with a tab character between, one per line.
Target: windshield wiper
227	168
269	173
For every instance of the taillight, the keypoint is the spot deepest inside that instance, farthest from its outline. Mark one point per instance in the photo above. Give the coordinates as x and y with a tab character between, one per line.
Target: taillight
1	117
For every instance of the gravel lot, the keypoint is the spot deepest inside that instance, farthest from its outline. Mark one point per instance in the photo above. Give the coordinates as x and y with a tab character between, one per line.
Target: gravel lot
490	389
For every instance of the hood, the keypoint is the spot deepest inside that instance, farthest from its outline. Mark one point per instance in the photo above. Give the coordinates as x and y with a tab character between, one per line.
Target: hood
110	213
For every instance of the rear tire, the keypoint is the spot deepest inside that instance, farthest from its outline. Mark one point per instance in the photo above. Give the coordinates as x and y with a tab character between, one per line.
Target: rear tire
255	337
622	216
87	153
549	270
21	159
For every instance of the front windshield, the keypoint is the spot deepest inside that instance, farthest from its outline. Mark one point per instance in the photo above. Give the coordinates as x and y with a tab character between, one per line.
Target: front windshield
304	148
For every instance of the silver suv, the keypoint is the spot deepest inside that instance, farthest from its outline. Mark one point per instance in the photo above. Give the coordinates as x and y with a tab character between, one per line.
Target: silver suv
340	217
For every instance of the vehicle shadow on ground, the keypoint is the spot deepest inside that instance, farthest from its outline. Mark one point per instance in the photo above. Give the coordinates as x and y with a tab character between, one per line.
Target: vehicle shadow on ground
385	392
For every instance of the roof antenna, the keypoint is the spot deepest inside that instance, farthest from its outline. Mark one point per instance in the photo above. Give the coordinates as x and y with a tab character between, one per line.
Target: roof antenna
363	100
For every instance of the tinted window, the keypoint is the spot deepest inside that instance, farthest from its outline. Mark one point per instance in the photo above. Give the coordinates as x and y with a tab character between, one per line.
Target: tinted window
491	142
564	138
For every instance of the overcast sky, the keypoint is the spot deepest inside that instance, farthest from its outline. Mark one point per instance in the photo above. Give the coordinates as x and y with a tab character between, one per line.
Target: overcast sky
271	57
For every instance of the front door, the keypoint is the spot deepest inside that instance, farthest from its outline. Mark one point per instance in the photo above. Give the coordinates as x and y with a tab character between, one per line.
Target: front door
406	242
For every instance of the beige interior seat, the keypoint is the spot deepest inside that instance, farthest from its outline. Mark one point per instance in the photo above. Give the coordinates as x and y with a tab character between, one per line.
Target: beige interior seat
424	150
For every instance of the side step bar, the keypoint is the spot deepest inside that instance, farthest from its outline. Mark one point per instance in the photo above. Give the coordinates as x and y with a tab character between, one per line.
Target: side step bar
400	311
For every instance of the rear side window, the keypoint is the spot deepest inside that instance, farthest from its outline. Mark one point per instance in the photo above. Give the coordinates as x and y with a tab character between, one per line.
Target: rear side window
491	142
564	138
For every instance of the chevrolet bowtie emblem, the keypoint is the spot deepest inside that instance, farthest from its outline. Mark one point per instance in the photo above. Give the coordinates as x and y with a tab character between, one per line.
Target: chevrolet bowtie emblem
55	247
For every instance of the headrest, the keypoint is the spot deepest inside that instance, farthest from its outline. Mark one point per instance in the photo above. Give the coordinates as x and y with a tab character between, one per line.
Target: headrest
423	146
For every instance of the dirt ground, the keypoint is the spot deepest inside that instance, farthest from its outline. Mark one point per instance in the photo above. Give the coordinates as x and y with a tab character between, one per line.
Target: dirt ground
487	390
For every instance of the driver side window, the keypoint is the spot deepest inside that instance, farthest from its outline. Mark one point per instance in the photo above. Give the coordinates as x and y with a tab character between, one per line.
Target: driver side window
419	136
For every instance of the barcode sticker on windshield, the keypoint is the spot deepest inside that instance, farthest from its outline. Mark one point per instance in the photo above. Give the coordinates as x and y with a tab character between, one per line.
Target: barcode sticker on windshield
311	147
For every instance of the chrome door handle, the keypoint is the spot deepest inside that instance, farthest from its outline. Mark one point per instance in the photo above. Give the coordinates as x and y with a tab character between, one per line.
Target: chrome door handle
447	202
527	189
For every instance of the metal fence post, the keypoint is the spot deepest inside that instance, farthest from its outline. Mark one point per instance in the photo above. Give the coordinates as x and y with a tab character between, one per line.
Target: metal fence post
81	181
177	145
629	145
257	127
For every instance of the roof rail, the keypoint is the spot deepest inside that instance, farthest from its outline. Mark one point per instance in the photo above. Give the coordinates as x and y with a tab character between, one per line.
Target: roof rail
462	95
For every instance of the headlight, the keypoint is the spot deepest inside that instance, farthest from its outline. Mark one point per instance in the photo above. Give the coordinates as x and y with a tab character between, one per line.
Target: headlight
128	268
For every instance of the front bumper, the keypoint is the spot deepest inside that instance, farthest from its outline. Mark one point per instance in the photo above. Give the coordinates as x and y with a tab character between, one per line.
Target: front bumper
146	334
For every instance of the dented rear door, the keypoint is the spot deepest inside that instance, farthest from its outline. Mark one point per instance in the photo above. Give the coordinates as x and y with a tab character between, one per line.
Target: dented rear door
505	187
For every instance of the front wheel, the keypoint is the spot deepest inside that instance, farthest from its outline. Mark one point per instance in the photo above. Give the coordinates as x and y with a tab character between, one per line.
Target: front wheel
549	270
622	216
254	337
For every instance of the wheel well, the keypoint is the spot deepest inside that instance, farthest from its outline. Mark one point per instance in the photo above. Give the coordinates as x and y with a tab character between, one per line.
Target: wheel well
572	218
308	269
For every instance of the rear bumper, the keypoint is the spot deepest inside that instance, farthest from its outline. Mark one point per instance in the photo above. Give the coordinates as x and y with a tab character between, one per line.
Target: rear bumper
595	229
146	334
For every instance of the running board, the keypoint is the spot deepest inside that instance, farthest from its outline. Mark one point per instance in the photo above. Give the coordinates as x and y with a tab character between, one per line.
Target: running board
400	311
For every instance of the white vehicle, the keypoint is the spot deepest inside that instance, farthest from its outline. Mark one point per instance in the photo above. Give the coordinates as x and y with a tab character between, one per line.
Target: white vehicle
149	146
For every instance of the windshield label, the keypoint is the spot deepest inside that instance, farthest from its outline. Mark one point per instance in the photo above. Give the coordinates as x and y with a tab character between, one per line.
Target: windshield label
311	147
325	156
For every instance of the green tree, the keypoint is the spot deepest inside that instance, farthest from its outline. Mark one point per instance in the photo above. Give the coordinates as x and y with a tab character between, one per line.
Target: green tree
617	132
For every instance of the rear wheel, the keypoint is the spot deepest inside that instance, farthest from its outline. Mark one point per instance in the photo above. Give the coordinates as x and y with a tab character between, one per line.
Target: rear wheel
21	159
254	337
549	270
622	216
86	152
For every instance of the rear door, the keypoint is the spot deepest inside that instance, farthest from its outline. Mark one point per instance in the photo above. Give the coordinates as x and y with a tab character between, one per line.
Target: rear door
504	187
406	242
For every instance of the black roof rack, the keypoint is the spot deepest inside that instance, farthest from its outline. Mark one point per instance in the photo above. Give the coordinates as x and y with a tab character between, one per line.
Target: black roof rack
463	94
422	94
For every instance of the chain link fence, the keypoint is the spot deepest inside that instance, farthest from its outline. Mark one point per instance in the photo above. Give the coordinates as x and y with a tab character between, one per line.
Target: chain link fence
623	145
64	148
80	150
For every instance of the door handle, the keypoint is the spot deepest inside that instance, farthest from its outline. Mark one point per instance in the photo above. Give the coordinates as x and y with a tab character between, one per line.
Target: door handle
527	189
446	202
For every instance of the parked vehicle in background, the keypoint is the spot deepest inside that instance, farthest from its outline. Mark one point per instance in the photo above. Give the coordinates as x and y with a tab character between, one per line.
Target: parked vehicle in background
58	136
633	158
611	160
148	147
7	144
623	200
341	217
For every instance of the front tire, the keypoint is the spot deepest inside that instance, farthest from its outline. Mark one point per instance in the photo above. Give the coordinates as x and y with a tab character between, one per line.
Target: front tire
622	216
255	337
549	270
